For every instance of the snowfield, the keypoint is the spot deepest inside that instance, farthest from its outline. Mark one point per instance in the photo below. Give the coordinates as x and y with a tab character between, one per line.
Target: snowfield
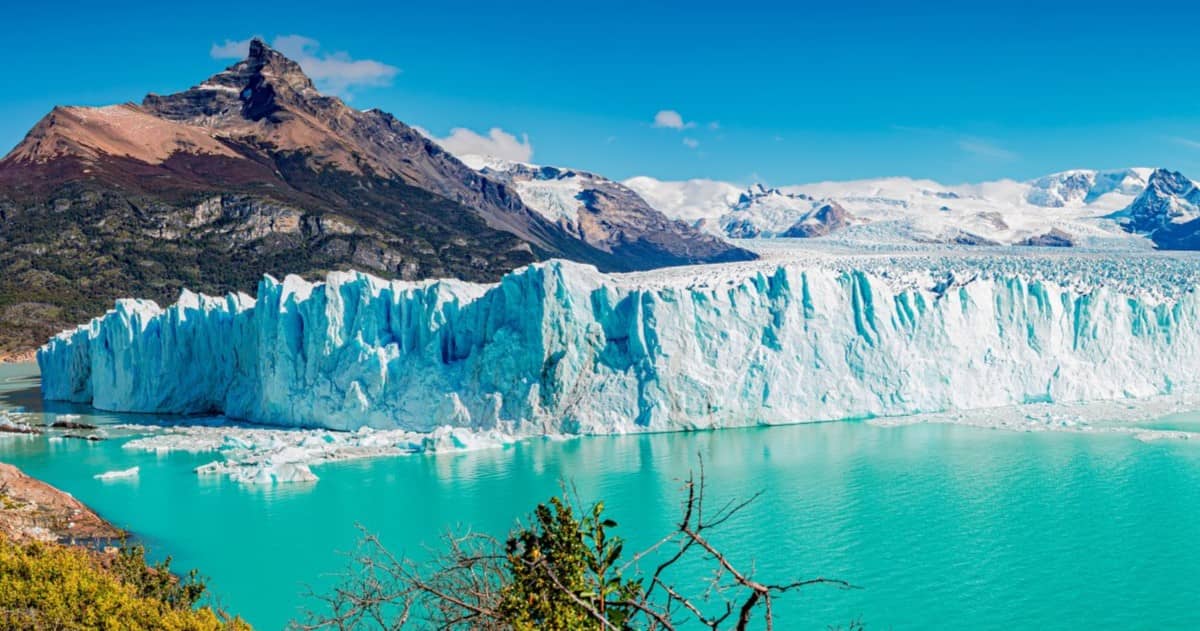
557	348
1079	205
1134	208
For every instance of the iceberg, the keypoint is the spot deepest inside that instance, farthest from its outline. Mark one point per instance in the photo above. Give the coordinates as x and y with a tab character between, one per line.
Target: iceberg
122	474
259	455
559	348
260	474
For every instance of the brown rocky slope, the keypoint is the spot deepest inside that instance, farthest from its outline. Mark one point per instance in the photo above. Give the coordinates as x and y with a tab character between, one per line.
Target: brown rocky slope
253	171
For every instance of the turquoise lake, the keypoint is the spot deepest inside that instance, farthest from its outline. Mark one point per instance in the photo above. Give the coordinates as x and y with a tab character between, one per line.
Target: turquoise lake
940	526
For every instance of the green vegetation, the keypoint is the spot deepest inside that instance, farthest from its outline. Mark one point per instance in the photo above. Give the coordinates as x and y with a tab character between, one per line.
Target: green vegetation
564	570
49	586
68	250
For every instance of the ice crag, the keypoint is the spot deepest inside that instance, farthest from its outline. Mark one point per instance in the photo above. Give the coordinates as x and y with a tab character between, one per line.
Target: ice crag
560	348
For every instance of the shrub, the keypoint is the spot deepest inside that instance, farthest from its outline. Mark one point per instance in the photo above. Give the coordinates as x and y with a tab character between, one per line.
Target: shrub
51	586
560	572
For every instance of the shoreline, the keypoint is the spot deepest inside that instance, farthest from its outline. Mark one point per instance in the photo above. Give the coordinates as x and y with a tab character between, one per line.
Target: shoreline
33	510
18	357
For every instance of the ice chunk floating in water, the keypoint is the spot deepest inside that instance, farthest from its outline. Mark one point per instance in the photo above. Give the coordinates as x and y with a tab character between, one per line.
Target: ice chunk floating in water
267	456
560	348
131	472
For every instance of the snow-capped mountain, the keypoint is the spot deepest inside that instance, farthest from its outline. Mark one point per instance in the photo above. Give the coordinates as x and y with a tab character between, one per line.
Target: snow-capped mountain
1167	211
765	212
1124	207
1083	186
605	214
770	212
1168	198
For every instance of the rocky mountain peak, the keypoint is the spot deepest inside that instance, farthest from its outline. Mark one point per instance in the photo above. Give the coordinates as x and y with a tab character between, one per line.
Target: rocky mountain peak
255	88
254	171
272	66
1169	198
1165	182
759	193
259	49
826	217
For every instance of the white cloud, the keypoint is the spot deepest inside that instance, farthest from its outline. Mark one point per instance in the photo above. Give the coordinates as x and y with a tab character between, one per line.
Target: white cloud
498	144
671	119
715	125
231	49
985	149
1186	142
691	143
334	72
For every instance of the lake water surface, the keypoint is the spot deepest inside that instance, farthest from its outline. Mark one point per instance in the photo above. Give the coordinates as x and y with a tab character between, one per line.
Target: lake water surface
941	526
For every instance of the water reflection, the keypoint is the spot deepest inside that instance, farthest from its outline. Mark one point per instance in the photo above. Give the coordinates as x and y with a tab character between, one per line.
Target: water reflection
937	523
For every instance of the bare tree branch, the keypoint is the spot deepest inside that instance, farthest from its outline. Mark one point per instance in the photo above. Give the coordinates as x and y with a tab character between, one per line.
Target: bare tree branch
468	583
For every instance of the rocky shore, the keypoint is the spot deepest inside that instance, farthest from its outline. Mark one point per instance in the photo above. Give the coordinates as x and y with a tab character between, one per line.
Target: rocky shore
18	356
31	510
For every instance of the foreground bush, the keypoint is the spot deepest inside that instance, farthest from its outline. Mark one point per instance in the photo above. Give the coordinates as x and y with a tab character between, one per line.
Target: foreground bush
49	586
561	571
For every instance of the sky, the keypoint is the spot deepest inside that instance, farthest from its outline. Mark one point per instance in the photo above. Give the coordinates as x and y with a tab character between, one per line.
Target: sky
745	91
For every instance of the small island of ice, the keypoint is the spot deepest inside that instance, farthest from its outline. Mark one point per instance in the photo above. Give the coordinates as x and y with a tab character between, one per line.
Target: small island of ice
131	472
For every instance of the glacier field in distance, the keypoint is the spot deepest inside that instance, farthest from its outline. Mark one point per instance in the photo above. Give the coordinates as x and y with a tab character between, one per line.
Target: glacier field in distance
815	331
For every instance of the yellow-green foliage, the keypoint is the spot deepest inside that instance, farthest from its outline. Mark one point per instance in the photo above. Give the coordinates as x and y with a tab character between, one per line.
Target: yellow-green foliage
564	573
49	586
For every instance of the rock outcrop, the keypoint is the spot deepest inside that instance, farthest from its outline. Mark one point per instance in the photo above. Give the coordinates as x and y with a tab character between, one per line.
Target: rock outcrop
31	510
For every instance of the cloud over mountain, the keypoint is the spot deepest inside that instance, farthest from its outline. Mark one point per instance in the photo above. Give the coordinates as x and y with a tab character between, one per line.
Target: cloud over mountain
336	72
497	143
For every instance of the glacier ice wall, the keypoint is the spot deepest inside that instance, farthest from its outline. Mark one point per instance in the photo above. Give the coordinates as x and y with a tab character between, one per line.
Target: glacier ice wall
560	348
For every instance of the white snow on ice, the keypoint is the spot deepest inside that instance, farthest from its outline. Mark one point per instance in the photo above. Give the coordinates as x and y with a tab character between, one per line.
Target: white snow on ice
818	333
131	472
905	210
253	455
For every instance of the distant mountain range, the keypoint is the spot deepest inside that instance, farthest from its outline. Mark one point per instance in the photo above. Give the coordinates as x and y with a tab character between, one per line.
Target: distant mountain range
1137	207
254	171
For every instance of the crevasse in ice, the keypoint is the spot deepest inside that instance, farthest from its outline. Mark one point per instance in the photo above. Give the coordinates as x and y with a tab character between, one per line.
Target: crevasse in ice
559	348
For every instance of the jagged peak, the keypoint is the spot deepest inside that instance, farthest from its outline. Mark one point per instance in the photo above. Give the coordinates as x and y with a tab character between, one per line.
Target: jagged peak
263	59
760	193
259	85
259	49
1169	182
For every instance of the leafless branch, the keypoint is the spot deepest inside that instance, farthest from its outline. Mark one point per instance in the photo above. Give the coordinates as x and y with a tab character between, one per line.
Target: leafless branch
463	586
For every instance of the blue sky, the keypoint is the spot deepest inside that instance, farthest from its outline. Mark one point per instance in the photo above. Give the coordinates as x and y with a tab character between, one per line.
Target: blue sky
782	93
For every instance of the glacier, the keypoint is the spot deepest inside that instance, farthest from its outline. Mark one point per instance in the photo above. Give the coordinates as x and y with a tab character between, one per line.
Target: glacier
559	348
1080	203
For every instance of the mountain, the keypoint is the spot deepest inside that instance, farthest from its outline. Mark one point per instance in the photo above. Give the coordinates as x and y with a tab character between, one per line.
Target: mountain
607	215
762	212
254	171
1167	211
1079	207
765	212
1082	186
822	220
